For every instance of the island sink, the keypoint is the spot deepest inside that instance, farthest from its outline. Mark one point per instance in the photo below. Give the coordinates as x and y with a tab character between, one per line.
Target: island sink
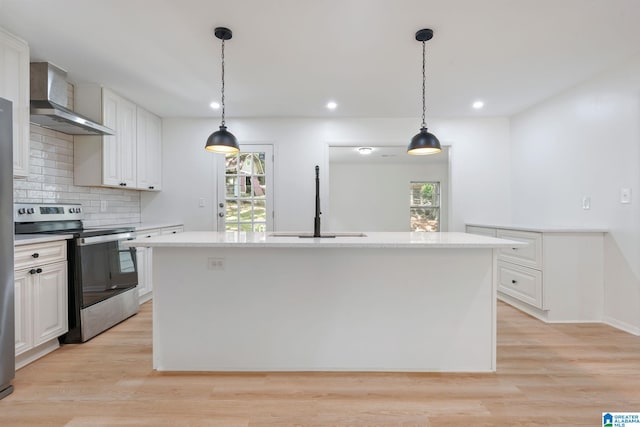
303	235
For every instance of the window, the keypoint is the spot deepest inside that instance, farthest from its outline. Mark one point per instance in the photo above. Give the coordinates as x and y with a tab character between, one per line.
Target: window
245	191
424	206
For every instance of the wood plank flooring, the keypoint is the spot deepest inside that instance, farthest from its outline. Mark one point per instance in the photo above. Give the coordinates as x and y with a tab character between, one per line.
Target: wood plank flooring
548	375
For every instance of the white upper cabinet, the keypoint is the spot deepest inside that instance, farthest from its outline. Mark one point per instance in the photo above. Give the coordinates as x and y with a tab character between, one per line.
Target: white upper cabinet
128	159
149	146
14	86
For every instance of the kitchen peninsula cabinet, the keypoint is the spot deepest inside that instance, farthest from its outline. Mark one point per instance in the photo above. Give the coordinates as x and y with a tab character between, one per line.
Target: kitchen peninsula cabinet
40	299
557	277
129	159
14	86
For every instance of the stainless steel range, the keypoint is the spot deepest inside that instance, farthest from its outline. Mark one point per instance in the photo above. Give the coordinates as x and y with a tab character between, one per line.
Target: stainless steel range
102	272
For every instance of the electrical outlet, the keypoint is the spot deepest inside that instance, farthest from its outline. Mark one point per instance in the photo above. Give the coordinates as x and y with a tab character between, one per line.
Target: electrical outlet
103	205
201	202
625	195
215	264
586	202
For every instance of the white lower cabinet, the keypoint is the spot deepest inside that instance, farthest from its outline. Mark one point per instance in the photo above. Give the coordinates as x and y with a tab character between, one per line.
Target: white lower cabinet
557	277
145	260
40	300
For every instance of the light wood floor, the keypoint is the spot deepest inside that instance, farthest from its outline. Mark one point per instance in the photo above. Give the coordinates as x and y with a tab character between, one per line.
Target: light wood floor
548	375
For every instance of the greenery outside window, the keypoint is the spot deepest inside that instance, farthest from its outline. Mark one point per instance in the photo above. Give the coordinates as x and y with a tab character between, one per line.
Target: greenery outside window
424	206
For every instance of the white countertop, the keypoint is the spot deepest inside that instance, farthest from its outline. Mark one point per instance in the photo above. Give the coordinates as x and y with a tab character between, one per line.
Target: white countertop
372	240
29	239
143	226
542	228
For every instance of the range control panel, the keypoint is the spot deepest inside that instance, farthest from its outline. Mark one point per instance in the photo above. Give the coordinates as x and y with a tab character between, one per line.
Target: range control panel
32	212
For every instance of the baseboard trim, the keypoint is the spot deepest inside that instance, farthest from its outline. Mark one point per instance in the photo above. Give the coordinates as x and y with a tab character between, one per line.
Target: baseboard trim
623	326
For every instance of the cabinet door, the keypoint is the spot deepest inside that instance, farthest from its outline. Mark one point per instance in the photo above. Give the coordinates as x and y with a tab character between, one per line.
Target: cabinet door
14	86
110	151
23	325
149	147
127	142
50	302
144	285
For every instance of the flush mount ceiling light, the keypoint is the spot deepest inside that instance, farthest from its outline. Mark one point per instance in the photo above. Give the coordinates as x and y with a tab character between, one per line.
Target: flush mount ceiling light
424	142
331	105
365	150
222	141
215	105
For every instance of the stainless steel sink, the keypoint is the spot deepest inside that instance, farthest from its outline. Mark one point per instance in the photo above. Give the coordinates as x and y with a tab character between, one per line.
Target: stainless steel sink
309	235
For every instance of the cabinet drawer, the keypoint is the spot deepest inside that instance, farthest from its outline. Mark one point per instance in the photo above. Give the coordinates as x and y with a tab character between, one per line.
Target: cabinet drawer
41	253
520	282
484	231
145	234
530	255
172	230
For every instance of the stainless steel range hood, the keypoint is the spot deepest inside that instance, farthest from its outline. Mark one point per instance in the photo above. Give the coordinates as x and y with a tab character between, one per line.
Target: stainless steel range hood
49	100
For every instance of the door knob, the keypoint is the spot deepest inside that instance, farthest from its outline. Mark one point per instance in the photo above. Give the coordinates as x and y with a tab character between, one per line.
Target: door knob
221	214
221	205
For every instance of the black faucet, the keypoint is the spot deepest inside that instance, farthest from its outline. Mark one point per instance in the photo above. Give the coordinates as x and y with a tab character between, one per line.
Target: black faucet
316	220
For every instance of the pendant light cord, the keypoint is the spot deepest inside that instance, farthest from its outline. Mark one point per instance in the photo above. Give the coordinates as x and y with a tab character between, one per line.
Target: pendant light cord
222	124
424	78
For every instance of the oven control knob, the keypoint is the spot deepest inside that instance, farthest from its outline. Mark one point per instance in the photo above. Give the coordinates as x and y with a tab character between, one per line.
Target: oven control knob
31	210
78	210
22	211
72	210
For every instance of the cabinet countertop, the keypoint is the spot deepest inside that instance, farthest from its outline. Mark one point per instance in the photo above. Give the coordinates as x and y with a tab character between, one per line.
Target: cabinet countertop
143	226
542	228
370	240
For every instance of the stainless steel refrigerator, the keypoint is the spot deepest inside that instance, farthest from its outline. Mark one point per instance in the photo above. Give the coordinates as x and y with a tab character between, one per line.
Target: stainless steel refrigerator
7	320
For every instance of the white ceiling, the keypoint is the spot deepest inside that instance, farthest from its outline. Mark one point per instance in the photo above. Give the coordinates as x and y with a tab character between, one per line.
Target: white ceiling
287	58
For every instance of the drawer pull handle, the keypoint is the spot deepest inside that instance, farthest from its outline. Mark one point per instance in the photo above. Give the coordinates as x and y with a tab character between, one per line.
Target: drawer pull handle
515	249
38	270
514	281
32	271
35	255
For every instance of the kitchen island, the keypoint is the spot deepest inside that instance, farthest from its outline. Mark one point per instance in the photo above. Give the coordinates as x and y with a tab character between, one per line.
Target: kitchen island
413	302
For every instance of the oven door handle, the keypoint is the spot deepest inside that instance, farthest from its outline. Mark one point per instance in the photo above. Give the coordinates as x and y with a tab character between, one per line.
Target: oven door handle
84	241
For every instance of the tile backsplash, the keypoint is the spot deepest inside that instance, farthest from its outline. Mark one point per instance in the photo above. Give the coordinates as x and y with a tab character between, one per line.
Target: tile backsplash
51	181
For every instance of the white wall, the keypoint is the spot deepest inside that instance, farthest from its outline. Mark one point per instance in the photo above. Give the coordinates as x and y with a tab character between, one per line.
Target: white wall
375	197
479	165
586	142
50	180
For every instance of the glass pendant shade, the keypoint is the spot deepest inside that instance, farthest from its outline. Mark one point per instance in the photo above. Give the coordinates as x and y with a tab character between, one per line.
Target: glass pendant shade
424	143
222	141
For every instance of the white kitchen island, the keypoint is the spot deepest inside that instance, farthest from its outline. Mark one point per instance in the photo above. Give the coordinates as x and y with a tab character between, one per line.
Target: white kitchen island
414	302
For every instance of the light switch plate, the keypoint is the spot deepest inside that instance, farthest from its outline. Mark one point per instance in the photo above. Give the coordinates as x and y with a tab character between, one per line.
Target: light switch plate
625	195
586	202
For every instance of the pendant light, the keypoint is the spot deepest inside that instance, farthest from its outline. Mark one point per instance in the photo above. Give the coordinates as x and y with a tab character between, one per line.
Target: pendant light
424	142
222	141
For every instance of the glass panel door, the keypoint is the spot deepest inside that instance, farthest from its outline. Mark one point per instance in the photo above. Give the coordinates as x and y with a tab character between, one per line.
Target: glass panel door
246	191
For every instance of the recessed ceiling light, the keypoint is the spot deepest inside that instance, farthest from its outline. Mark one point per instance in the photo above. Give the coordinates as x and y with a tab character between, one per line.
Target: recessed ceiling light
478	105
215	105
331	105
365	150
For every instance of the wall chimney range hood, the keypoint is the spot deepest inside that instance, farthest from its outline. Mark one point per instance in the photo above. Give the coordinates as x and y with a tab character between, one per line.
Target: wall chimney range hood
49	100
